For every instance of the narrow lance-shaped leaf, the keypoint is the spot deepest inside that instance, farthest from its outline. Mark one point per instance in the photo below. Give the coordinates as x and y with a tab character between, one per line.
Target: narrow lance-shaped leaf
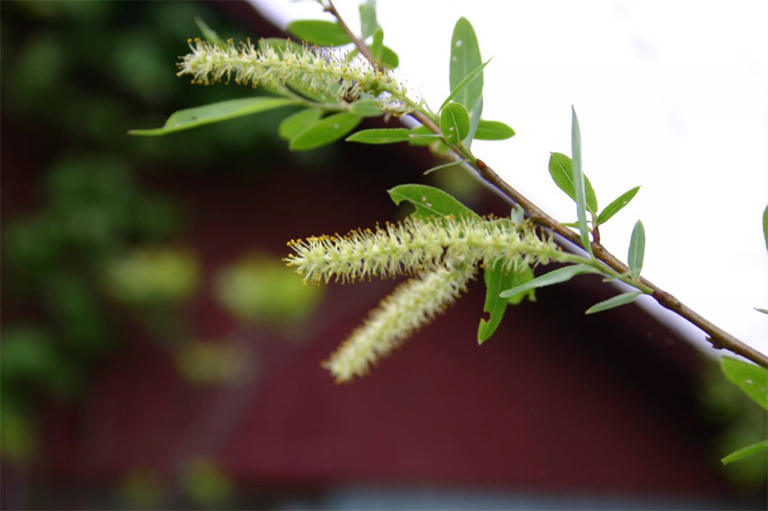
325	131
554	277
765	226
298	122
616	301
319	32
474	121
617	205
745	452
578	178
377	45
465	57
215	112
561	171
368	22
381	136
429	201
493	130
495	281
454	123
209	34
759	309
470	78
636	250
750	378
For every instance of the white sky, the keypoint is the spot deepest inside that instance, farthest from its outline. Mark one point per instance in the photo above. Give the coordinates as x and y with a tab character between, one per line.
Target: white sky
671	95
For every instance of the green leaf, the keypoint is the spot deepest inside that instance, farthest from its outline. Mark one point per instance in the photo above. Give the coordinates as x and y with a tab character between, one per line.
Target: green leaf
423	136
381	136
578	183
208	33
368	21
745	452
636	250
319	32
366	107
764	311
750	378
615	206
474	121
561	170
465	58
463	84
377	46
765	226
616	301
215	112
563	274
495	130
325	131
389	58
454	123
496	280
298	122
448	165
429	201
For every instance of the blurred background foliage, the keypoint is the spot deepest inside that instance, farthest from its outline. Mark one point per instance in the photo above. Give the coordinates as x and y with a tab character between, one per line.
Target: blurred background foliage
94	248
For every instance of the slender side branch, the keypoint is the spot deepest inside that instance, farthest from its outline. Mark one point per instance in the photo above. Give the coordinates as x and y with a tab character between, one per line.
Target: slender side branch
719	338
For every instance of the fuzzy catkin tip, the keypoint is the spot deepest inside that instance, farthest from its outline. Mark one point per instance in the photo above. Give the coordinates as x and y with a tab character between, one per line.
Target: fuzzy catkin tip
412	305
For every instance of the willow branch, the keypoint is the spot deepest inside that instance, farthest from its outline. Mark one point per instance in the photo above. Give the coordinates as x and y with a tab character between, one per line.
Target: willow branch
716	336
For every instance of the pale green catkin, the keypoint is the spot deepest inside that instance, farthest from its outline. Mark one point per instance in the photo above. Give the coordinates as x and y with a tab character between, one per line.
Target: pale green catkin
411	306
327	73
415	245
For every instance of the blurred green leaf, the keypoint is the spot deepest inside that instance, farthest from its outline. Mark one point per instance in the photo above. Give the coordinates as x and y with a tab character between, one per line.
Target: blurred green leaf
261	289
764	311
325	131
377	44
366	107
465	58
750	378
319	32
636	250
209	34
616	301
563	274
206	484
298	122
561	170
389	58
381	136
429	201
454	123
368	22
216	112
765	226
493	130
615	206
151	276
745	452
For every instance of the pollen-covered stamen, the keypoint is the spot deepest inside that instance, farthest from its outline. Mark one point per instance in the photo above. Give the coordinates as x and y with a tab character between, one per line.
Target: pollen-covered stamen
414	245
